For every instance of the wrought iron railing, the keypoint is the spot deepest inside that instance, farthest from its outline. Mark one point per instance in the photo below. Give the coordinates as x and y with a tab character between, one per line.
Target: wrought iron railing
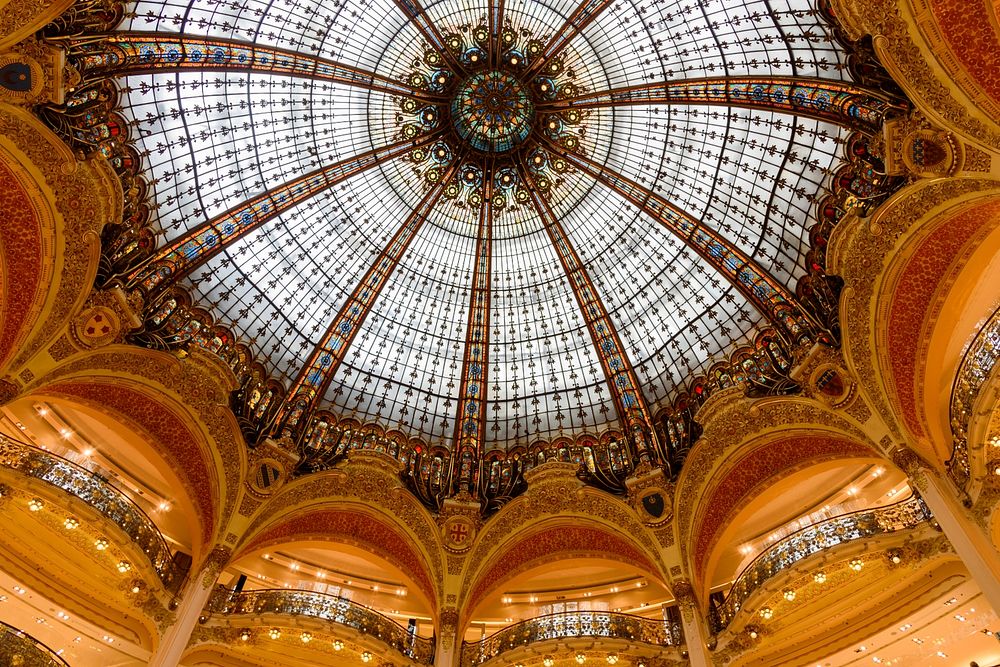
100	494
602	624
977	366
328	608
19	648
801	544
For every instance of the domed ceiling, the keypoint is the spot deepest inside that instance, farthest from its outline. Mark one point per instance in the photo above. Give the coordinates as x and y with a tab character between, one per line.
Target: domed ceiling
495	222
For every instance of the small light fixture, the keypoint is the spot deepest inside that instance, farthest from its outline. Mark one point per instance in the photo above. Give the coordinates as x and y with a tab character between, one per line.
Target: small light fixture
752	632
896	557
101	543
136	586
548	661
338	645
766	613
306	637
612	658
366	657
820	577
35	504
789	594
124	566
71	522
274	633
244	635
581	658
856	564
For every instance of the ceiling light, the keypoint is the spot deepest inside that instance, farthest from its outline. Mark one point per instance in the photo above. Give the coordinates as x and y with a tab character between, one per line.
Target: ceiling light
338	645
19	590
35	504
820	577
581	658
366	657
245	635
62	615
856	564
548	661
71	522
766	613
789	594
612	658
101	543
108	638
124	566
274	633
306	637
136	586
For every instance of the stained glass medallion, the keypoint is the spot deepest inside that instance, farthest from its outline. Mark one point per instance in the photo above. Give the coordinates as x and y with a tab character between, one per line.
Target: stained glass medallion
492	111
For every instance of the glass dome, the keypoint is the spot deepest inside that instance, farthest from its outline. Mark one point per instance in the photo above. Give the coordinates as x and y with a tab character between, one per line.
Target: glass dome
543	216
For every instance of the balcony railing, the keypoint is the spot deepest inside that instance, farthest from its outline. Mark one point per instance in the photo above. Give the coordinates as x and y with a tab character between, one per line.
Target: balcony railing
18	648
100	494
799	545
328	608
597	624
977	366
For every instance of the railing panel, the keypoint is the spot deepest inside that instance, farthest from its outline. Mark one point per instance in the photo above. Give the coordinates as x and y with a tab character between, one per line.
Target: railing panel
810	540
100	494
19	648
974	372
566	625
324	607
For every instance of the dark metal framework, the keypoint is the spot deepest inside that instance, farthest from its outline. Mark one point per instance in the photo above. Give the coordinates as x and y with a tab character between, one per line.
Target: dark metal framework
310	187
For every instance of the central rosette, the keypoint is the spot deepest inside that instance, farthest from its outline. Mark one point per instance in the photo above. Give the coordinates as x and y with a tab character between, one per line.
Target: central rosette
492	111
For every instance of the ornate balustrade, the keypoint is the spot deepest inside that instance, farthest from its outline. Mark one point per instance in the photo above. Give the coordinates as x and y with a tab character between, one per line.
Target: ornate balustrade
100	494
977	366
800	545
19	648
597	624
324	607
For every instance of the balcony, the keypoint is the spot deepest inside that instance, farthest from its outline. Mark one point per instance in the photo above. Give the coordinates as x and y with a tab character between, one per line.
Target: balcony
798	546
584	624
977	368
18	648
98	493
323	607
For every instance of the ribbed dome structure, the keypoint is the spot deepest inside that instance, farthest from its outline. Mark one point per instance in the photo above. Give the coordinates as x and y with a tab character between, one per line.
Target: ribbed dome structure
491	224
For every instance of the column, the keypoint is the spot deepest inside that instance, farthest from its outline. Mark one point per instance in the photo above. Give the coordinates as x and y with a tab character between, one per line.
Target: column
199	589
446	648
971	544
695	635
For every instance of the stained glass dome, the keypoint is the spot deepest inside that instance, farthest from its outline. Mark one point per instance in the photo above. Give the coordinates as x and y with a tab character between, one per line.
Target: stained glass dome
489	223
